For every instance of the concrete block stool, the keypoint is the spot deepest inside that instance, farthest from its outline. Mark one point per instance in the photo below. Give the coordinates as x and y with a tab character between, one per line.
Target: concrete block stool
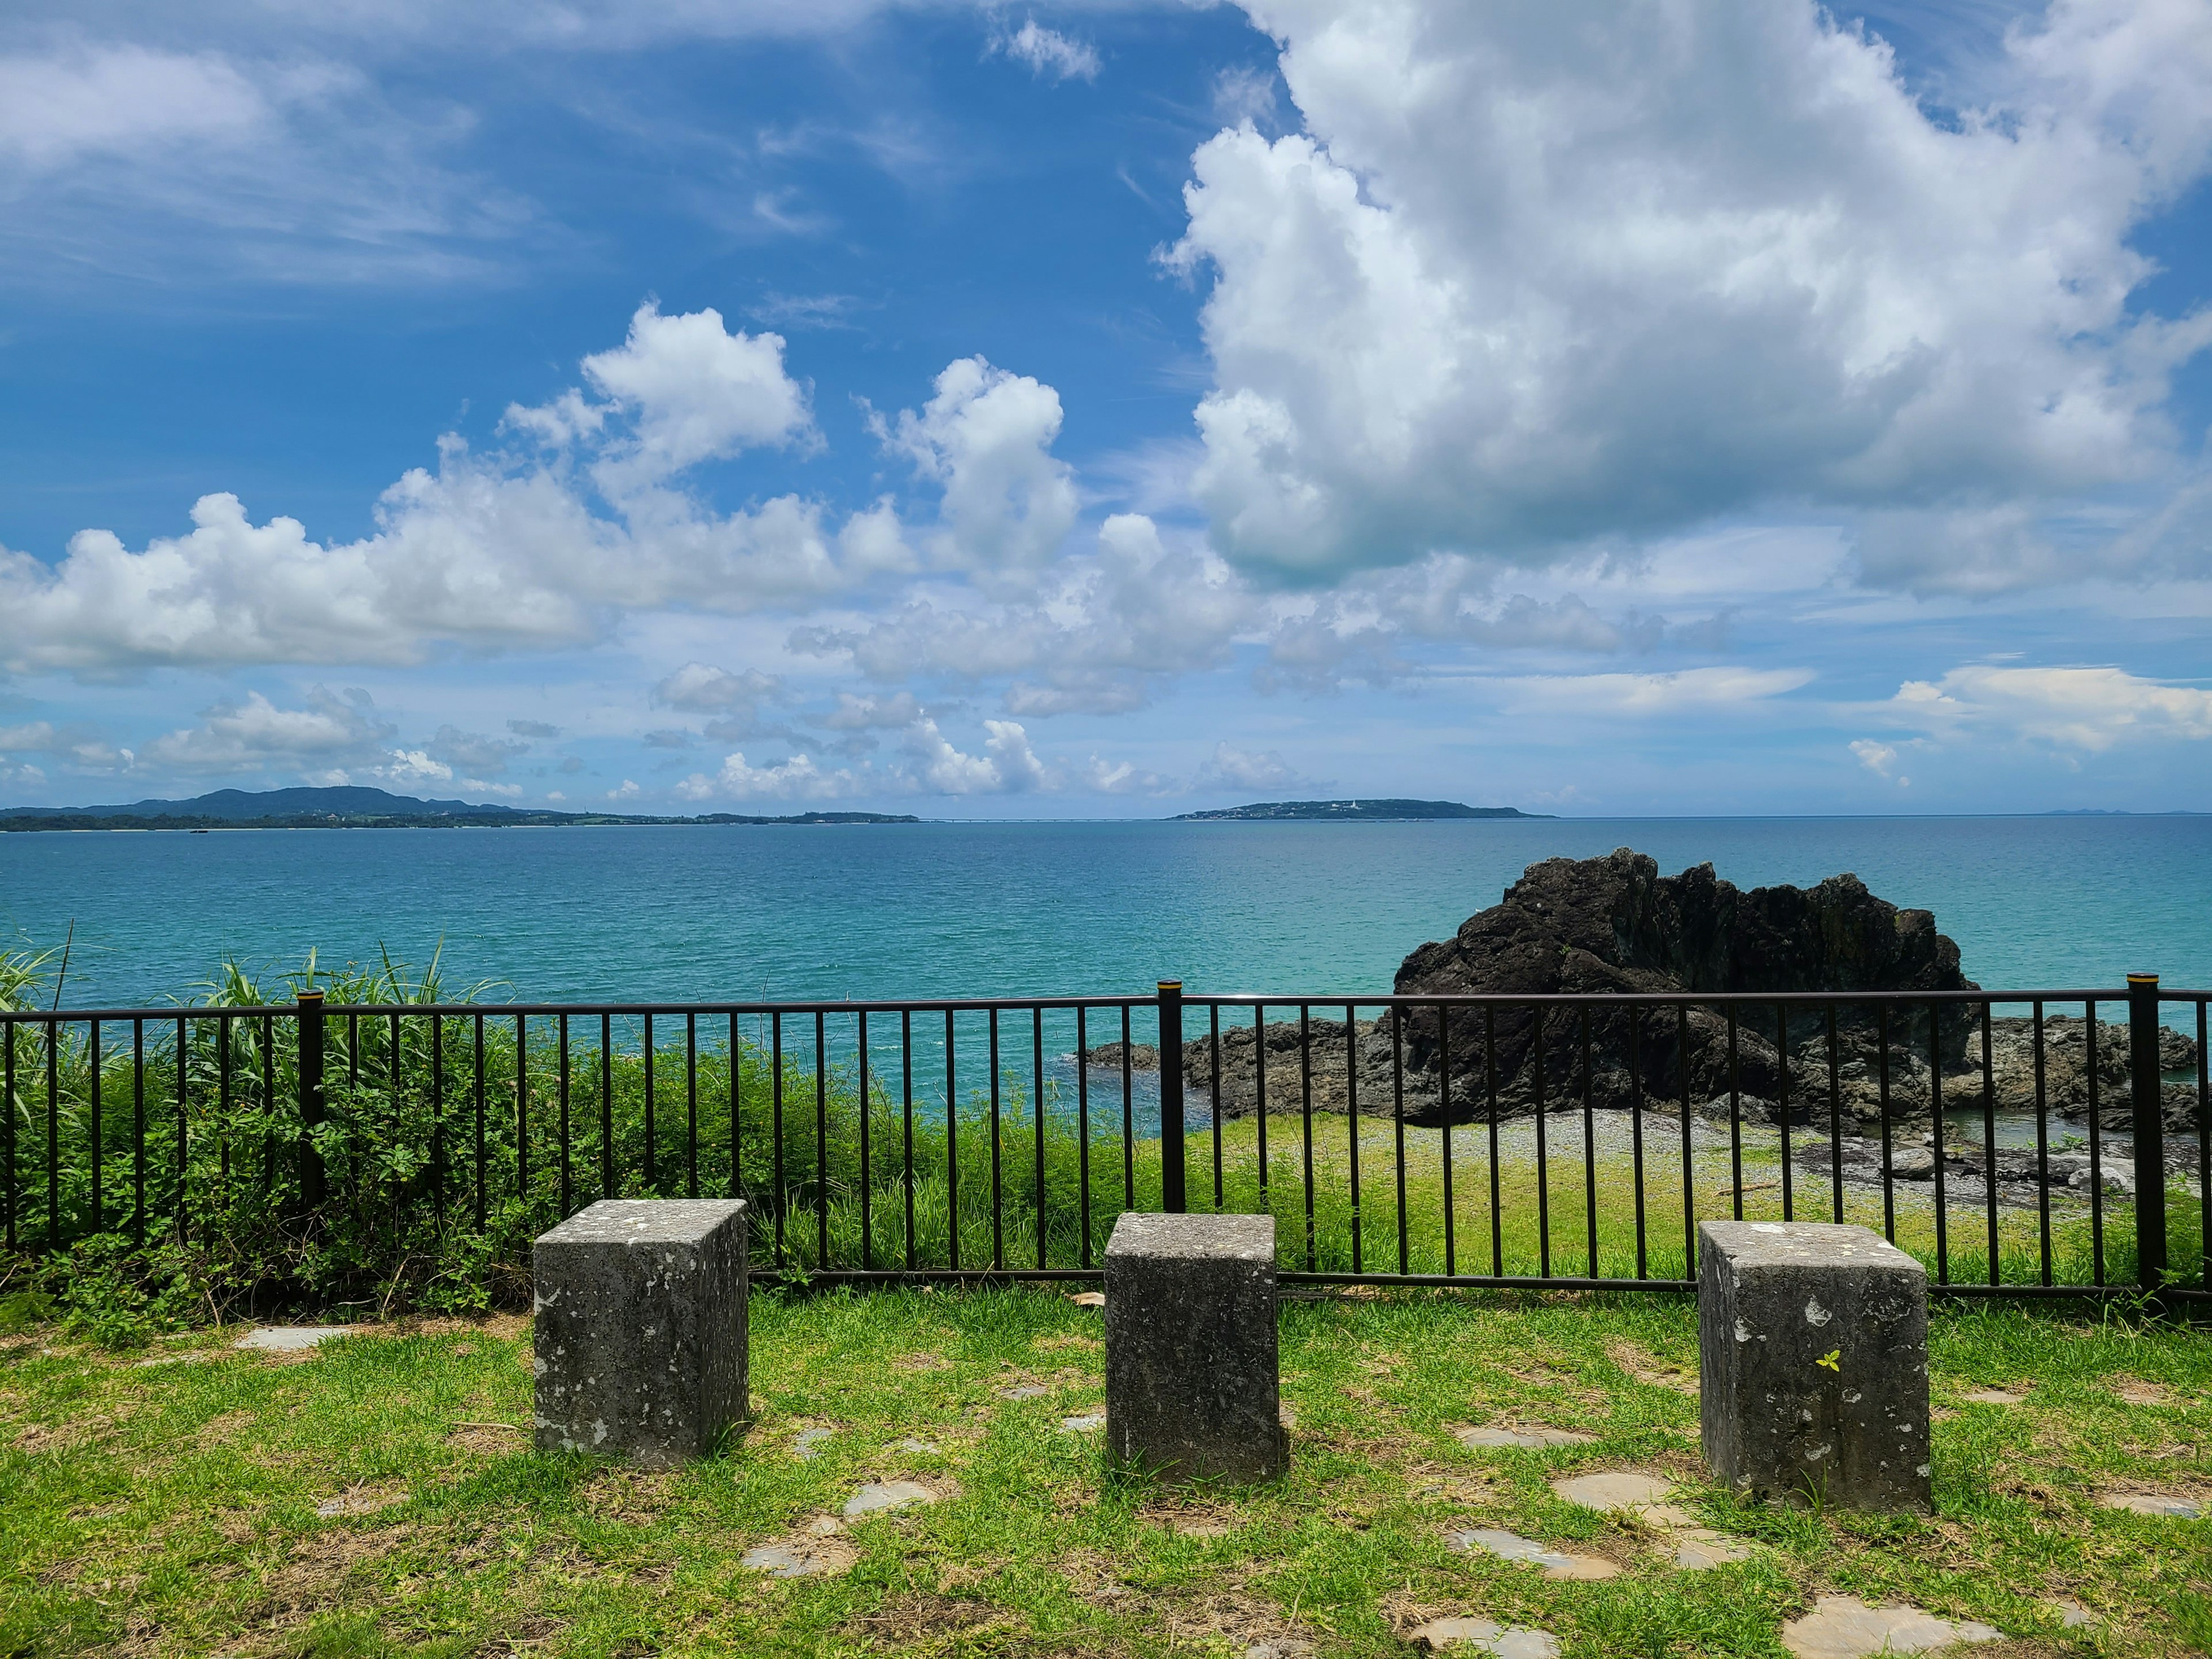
1813	1344
1192	1387
640	1336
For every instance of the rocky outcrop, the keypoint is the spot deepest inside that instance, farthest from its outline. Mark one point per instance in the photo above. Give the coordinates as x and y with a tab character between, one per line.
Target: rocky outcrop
1615	925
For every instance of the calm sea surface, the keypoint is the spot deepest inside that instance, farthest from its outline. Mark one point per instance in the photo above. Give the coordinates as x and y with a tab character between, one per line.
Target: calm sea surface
1020	908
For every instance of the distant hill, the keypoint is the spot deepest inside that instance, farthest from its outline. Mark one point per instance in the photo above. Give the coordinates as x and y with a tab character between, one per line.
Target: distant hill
357	807
1350	812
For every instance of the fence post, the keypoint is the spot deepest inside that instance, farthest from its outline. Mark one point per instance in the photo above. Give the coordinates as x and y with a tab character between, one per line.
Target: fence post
1171	1129
2149	1132
308	1015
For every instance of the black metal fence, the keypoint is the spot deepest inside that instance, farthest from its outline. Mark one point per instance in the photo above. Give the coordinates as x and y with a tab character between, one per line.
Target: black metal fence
2021	1142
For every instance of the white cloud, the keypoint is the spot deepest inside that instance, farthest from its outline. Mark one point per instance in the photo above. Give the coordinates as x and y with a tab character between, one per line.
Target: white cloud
987	436
257	736
1523	281
2092	710
695	391
489	553
858	713
472	751
1231	768
700	688
1881	759
1643	695
120	100
1123	778
1048	52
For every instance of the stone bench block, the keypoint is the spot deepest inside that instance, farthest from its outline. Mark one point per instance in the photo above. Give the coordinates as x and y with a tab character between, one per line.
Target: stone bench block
641	1333
1192	1388
1814	1341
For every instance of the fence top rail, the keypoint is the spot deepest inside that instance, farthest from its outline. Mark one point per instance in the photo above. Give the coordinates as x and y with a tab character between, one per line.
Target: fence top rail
1024	1005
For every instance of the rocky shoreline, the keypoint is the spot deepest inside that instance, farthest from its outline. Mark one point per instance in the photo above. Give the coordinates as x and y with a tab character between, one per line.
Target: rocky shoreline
1613	925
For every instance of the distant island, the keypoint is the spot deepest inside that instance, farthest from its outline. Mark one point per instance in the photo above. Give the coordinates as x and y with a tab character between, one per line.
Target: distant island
357	807
1350	811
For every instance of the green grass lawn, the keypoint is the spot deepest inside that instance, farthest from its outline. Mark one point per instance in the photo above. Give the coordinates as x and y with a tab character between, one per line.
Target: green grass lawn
177	1507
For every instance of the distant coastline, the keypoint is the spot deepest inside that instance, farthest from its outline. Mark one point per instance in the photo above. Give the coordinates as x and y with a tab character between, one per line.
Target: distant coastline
354	807
1350	811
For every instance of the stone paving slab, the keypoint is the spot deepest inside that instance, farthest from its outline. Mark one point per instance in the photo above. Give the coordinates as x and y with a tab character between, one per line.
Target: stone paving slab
807	1441
289	1339
1555	1564
1024	1391
879	1496
1994	1396
1485	1635
2160	1506
816	1550
1532	1437
1083	1423
1616	1492
1844	1627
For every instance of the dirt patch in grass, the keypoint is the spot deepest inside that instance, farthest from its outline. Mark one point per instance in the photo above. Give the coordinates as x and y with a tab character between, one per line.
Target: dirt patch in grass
1646	1367
2134	1391
488	1439
921	1618
1072	1340
634	1496
224	1430
921	1361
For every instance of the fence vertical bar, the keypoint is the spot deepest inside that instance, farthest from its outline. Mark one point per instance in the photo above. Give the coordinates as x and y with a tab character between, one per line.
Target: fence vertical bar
307	1016
1213	1084
1172	1195
1129	1120
1590	1149
868	1181
566	1204
998	1179
1490	1087
8	1031
1881	1083
98	1137
1036	1111
1781	1108
1083	1130
437	1122
1735	1117
2203	1150
1689	1160
139	1132
1635	1131
483	1155
775	1125
906	1104
1543	1153
736	1081
1351	1133
1306	1122
222	1099
1990	1145
1398	1126
53	1135
607	1186
821	1139
1260	1099
952	1147
184	1147
2096	1148
269	1101
1935	1136
522	1108
651	1128
2145	1090
2042	1152
1443	1136
1835	1123
690	1104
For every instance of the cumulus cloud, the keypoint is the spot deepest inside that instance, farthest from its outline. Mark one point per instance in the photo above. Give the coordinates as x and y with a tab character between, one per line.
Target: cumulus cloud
987	437
2091	709
1522	282
1049	52
1231	768
1878	758
489	553
254	735
796	779
692	390
927	762
701	688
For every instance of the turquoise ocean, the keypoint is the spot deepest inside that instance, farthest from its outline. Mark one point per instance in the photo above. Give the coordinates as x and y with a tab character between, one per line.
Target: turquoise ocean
684	913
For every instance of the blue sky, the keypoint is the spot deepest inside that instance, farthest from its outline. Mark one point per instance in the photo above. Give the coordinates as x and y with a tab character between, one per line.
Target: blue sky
1722	406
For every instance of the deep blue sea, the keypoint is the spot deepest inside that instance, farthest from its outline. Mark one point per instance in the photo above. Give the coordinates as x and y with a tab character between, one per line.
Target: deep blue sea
706	913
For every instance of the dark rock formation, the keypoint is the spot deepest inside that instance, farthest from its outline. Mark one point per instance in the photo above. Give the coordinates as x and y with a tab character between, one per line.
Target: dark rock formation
1615	925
